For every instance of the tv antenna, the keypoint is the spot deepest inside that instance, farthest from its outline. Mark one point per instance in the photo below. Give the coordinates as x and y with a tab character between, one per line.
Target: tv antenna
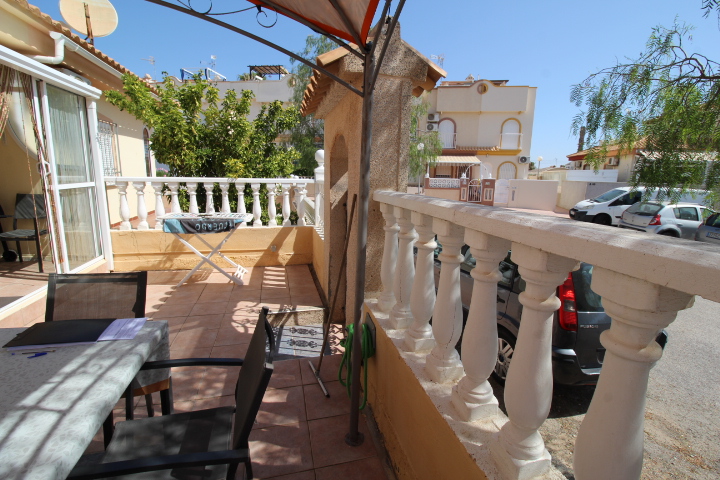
94	18
151	60
440	59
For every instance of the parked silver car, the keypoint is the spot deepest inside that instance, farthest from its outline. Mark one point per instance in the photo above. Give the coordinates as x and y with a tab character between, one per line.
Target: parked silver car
709	231
680	220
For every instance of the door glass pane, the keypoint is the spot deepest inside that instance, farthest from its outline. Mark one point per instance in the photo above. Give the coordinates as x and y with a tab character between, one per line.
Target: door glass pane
82	237
68	122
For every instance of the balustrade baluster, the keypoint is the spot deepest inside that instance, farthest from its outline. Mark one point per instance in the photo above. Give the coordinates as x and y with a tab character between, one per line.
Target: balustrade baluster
610	440
473	396
141	208
256	204
241	199
174	201
319	188
209	203
124	206
225	206
272	209
422	298
520	450
443	363
192	189
386	299
286	204
400	315
301	192
159	204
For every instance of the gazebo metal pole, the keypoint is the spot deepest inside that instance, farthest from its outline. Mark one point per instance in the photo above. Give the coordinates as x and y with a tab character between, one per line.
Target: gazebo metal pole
354	437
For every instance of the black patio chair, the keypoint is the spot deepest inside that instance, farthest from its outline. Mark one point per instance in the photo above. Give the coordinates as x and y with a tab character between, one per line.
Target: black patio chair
28	206
110	295
206	444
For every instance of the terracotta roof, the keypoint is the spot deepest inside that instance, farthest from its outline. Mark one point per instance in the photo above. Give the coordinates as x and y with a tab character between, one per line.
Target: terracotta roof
320	84
57	26
612	150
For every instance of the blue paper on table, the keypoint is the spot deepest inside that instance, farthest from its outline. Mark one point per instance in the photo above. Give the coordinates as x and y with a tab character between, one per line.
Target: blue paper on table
200	225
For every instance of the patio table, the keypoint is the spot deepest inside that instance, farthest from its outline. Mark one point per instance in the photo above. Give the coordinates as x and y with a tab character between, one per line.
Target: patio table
197	224
52	406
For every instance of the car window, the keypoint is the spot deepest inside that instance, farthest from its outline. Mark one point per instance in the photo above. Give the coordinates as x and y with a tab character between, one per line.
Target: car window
686	213
649	209
507	272
468	262
713	220
586	300
607	196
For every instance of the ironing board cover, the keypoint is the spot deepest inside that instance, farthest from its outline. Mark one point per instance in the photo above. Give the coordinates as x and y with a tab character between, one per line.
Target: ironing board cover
202	223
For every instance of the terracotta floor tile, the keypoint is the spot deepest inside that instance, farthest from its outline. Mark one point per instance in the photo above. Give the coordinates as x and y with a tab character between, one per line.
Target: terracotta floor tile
317	405
230	351
366	469
173	310
286	374
327	437
328	369
280	450
306	475
190	352
211	322
281	406
195	337
234	336
214	402
240	306
218	382
208	308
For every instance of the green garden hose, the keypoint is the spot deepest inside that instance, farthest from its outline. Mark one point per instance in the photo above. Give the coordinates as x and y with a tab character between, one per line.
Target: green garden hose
367	350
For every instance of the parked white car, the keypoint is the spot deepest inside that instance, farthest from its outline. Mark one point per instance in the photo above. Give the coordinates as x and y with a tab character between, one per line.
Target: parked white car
679	220
606	209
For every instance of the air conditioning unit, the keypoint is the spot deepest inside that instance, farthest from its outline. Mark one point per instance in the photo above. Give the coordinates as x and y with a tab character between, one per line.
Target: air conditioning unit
431	127
615	161
523	159
433	117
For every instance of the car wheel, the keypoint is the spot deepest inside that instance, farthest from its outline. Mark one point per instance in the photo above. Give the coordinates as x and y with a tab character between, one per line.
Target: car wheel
668	233
506	348
602	219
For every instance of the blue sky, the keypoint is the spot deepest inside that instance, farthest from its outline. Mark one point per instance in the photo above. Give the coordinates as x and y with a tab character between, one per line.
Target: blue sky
550	45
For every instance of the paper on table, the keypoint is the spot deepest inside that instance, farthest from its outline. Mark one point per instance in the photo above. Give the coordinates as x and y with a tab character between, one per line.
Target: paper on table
123	329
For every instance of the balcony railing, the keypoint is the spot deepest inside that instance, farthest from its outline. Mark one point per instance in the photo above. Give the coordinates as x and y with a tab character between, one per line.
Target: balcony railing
644	280
289	193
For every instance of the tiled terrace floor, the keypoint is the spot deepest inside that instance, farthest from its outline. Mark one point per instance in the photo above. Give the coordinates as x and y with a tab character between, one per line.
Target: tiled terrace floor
18	279
299	433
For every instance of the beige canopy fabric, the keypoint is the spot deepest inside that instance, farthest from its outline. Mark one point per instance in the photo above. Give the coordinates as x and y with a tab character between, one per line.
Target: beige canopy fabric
323	14
458	160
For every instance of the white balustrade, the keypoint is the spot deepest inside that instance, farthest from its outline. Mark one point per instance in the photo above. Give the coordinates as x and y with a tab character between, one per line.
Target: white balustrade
171	187
400	315
386	300
443	363
473	396
422	298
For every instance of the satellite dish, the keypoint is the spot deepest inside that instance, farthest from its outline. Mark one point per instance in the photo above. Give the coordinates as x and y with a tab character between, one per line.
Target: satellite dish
102	21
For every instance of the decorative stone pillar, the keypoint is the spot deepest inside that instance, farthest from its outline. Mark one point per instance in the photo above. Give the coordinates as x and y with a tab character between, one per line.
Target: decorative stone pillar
272	209
159	204
422	298
610	440
319	188
241	199
473	396
257	212
141	208
400	315
192	193
174	201
124	206
386	300
209	203
520	451
225	206
443	363
286	204
301	193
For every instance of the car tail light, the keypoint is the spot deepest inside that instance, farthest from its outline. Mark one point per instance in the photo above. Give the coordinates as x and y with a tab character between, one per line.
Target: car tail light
655	220
568	312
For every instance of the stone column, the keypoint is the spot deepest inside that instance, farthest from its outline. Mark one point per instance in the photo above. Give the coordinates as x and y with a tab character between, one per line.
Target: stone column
192	193
159	205
209	204
286	204
443	363
256	204
422	299
400	315
386	300
174	201
225	206
124	206
473	396
240	187
272	209
610	441
520	451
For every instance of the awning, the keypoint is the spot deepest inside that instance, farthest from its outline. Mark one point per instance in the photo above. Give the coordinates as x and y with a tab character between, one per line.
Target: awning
458	160
356	24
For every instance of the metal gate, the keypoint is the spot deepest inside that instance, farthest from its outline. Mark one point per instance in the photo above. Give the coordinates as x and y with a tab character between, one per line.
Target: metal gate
474	191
